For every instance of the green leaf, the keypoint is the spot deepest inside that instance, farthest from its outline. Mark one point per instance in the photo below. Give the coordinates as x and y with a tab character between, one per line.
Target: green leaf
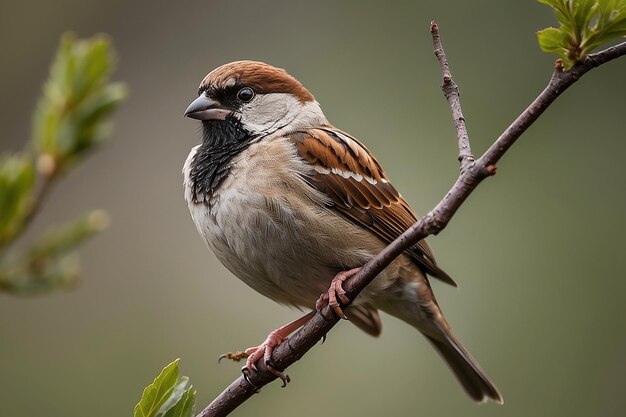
158	392
584	13
167	396
611	25
181	400
62	239
175	396
77	99
585	25
551	40
17	179
71	118
184	407
27	278
51	262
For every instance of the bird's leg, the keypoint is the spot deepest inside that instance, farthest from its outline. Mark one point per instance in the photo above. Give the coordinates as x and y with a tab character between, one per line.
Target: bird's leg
336	290
265	349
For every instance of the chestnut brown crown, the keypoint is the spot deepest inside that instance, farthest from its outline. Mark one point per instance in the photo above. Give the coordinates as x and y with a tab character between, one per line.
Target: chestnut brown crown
261	77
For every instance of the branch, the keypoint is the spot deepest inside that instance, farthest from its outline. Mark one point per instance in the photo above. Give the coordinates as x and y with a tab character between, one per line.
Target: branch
71	119
451	93
48	179
472	174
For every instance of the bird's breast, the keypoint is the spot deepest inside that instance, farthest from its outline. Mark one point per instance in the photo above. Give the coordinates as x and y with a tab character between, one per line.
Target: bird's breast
274	231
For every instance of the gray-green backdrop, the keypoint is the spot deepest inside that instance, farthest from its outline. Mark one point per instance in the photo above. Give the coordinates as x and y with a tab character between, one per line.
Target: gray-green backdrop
538	250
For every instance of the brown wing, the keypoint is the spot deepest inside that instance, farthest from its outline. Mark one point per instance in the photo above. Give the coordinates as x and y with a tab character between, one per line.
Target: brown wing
355	182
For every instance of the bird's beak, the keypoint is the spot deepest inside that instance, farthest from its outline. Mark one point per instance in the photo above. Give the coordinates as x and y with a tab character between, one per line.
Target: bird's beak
204	108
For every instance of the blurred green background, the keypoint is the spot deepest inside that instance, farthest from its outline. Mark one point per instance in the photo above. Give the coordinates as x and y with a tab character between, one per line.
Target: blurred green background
538	250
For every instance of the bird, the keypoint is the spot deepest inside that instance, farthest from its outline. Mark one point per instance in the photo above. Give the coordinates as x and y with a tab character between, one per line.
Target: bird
293	206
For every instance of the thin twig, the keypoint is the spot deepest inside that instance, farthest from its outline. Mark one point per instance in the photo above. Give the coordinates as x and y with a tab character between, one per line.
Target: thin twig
47	182
35	207
304	339
43	193
451	92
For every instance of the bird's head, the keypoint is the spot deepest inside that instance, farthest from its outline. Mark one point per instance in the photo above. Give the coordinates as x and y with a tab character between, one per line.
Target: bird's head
254	98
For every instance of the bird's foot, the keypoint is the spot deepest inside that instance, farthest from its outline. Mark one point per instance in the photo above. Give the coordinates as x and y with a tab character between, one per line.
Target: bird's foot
336	291
264	351
253	354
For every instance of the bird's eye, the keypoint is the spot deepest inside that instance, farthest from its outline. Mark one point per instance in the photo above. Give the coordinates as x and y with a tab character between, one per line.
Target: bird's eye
245	94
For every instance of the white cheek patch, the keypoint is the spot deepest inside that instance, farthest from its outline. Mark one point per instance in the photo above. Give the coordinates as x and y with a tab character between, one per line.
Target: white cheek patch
269	113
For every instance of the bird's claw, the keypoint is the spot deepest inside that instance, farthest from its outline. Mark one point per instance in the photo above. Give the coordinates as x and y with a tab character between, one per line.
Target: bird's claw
336	291
245	372
237	356
257	353
264	352
283	377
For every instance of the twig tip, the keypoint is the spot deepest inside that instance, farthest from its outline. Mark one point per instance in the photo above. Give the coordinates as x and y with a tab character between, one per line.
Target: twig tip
558	65
47	165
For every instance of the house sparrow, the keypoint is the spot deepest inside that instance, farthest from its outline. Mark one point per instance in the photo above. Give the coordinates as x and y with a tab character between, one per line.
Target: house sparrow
292	206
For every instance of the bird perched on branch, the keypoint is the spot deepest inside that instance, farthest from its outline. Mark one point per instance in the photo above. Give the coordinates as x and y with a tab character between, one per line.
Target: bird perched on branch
293	206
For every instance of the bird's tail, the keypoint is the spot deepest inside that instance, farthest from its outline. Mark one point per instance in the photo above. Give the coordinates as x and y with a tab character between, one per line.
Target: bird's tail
426	317
469	373
417	306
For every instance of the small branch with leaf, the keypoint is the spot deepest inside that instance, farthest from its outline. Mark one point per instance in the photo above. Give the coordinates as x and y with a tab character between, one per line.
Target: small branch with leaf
70	121
585	25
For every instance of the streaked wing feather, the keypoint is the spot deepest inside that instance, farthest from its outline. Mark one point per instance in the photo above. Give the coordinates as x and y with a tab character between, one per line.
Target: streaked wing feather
356	184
